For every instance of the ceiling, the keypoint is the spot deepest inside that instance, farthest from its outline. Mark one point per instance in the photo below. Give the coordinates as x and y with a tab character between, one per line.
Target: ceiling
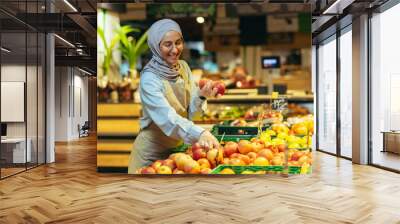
72	20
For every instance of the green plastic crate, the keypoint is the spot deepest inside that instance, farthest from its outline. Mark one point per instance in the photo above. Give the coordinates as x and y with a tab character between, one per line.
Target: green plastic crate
240	169
233	130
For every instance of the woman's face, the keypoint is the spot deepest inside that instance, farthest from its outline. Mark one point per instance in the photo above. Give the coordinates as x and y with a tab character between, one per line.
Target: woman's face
171	47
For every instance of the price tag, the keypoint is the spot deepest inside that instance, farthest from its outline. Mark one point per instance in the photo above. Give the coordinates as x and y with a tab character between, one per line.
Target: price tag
279	104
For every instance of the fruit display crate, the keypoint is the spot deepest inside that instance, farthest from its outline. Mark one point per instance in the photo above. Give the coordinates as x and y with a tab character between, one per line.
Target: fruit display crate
268	169
235	130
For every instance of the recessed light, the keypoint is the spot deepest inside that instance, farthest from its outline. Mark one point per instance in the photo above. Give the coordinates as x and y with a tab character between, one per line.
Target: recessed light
64	40
5	50
200	19
70	5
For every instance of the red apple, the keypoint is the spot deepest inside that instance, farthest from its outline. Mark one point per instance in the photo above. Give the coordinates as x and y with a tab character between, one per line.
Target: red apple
252	156
199	153
266	153
205	171
300	129
204	163
230	148
157	164
245	147
296	156
164	170
191	167
237	162
181	160
220	156
175	155
148	170
170	163
281	147
176	171
234	155
226	161
249	115
261	161
257	146
212	157
203	82
220	87
245	159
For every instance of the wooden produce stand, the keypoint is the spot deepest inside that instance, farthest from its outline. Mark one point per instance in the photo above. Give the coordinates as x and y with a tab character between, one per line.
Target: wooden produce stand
117	128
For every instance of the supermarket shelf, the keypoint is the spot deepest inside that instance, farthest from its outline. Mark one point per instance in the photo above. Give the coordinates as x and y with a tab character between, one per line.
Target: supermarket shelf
117	127
109	110
113	160
259	98
114	145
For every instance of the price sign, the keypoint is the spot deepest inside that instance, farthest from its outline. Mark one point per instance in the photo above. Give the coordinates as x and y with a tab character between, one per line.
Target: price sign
279	104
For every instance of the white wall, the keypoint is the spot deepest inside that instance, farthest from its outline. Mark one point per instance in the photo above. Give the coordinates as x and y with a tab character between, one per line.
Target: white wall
71	102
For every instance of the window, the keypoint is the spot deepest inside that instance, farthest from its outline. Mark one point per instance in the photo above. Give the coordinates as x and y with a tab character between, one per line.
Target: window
385	88
327	96
346	93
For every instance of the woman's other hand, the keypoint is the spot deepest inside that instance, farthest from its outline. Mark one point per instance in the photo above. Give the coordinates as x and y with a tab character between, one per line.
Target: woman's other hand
208	141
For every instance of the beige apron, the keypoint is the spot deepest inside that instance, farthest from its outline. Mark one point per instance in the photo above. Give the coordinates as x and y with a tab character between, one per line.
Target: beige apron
152	144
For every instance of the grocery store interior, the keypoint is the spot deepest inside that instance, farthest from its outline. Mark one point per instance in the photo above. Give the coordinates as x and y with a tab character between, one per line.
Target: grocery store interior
324	70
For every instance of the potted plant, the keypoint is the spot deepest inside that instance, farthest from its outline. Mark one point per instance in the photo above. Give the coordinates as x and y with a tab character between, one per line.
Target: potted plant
107	87
131	49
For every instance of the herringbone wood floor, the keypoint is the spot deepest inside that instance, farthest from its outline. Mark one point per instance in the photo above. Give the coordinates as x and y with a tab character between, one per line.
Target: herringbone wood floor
71	191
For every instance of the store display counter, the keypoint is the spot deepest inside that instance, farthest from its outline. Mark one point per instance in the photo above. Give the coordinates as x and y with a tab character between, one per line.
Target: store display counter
391	141
250	99
117	128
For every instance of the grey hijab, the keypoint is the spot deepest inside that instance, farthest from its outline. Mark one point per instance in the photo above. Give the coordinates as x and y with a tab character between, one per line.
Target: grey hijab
157	65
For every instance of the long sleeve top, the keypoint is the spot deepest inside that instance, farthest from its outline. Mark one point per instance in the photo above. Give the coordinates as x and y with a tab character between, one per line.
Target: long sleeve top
157	109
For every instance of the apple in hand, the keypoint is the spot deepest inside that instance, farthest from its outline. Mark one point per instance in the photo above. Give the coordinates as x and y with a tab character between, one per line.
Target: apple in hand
220	87
203	82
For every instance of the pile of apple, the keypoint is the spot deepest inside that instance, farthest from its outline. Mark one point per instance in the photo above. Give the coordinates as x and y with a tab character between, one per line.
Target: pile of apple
215	84
196	160
267	150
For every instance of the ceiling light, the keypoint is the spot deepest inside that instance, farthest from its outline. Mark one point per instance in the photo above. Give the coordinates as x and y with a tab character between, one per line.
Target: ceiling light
84	71
65	41
200	19
70	5
5	50
338	6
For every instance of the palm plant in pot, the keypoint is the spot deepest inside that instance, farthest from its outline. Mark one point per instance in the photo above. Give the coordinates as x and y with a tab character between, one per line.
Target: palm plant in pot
131	49
107	89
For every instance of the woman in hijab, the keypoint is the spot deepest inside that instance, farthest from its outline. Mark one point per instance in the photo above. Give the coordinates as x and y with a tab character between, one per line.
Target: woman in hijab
169	99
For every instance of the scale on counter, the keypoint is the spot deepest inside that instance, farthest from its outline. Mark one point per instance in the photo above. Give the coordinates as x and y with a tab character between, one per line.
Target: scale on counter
271	66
